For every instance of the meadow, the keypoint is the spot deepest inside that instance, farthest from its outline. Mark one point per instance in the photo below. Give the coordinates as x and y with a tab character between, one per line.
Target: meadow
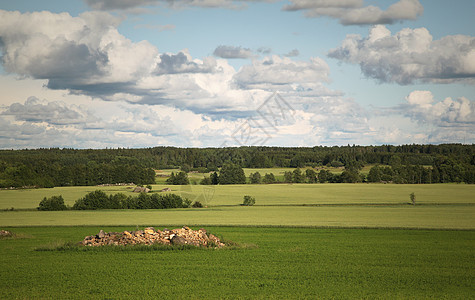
288	263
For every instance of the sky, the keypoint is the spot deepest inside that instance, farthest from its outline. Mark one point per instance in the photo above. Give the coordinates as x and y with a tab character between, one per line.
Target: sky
213	73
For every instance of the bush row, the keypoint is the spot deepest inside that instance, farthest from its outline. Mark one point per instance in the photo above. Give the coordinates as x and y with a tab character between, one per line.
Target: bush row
100	200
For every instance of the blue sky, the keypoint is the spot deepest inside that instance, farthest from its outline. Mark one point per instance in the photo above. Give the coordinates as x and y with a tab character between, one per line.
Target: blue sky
194	73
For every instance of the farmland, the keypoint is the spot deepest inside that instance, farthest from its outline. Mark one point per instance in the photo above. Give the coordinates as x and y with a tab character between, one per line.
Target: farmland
276	194
310	241
288	263
435	217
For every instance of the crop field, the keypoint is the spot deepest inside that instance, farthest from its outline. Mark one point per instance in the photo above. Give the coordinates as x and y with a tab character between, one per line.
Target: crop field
274	194
286	263
340	241
434	217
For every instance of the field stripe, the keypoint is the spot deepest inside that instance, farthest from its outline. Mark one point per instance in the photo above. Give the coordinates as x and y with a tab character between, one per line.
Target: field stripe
435	217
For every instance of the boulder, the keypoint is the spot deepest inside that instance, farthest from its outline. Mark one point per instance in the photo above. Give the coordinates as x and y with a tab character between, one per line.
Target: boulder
178	240
101	234
149	230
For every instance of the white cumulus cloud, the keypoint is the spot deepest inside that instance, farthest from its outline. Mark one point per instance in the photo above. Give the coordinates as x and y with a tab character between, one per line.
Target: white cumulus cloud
410	55
277	72
422	107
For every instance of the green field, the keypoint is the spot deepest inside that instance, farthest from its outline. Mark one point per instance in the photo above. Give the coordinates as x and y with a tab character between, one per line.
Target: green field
437	217
341	241
274	194
289	263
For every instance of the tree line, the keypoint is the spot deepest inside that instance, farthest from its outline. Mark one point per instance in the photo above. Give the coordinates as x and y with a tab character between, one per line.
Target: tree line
100	200
64	167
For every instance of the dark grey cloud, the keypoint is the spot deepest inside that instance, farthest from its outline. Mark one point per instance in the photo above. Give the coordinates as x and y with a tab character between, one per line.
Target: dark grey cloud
231	52
352	12
410	56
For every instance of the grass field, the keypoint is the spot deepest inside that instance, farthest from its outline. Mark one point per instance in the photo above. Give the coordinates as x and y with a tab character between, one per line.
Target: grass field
275	194
341	241
289	263
437	217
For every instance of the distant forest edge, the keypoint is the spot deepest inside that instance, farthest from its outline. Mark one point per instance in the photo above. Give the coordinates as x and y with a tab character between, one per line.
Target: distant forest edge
72	167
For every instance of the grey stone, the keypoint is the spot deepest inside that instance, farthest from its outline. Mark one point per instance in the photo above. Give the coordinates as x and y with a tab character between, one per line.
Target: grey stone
101	234
178	240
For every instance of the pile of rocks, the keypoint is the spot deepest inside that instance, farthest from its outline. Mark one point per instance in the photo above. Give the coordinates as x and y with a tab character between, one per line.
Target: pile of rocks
141	189
150	236
5	233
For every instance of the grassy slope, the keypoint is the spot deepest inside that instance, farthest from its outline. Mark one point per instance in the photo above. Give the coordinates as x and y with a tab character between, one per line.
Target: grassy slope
288	263
276	194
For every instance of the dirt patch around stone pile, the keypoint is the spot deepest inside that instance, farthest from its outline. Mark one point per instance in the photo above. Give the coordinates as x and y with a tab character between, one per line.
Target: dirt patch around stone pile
150	236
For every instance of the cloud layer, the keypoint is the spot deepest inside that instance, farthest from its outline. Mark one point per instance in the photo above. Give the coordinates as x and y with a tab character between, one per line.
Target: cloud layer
410	55
135	96
352	12
109	5
348	12
88	56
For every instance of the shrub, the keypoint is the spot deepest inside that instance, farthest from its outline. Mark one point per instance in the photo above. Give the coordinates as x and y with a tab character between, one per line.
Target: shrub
413	198
197	204
336	164
53	203
248	201
205	181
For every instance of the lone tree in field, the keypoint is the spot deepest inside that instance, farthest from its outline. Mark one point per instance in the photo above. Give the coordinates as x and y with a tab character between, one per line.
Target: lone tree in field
413	198
249	201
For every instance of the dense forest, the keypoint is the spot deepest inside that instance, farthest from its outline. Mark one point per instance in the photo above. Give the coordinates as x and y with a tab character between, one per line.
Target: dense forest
69	167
